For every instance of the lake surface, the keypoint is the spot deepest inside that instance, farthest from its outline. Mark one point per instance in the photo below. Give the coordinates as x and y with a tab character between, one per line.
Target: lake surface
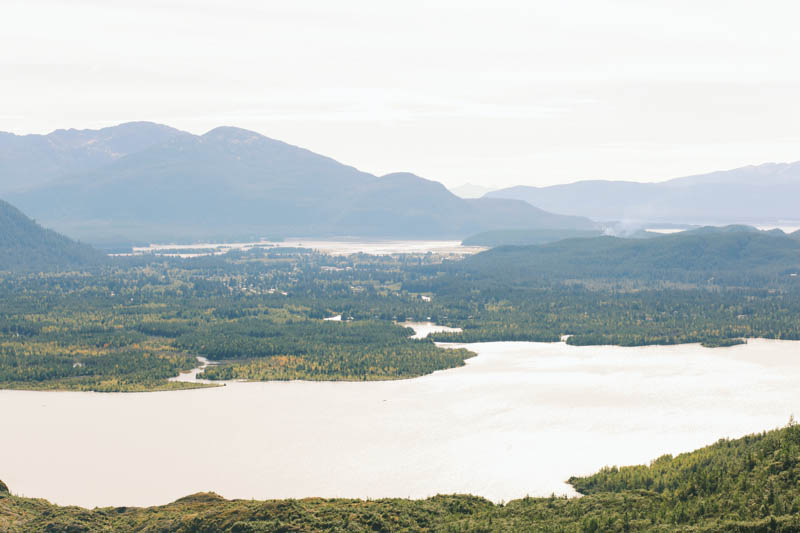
518	419
423	329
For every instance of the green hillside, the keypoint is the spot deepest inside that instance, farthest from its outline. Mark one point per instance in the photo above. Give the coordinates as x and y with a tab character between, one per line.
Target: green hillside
26	246
734	255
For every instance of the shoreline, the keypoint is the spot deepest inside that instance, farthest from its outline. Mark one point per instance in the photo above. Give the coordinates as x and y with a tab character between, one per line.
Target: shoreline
189	377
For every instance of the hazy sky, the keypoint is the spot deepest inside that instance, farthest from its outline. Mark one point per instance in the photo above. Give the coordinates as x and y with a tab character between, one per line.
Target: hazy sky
494	93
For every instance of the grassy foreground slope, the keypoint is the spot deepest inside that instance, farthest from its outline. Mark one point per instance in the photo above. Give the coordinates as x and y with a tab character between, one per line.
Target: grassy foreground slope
750	484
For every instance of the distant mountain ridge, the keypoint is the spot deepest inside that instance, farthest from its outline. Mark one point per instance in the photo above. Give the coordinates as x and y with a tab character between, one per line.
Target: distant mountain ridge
26	246
752	194
232	182
28	161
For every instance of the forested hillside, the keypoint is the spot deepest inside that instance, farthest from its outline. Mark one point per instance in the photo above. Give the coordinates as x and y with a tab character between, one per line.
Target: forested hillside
26	246
747	485
736	255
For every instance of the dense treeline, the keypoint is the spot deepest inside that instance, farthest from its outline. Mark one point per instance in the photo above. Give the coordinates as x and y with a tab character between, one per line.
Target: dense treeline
628	318
723	469
316	350
125	370
747	485
749	479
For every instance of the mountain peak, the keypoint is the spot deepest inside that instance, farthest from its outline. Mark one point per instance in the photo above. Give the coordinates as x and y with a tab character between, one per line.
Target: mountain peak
407	179
233	134
29	161
130	125
402	176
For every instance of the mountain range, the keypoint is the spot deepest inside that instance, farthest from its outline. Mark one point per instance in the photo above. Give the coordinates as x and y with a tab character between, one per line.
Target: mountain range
144	181
140	182
768	193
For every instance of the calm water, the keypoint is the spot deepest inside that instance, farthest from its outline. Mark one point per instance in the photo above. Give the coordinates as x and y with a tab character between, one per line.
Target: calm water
518	419
423	329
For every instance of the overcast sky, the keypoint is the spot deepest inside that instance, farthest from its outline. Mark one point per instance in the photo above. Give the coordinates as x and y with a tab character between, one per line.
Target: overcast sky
494	93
